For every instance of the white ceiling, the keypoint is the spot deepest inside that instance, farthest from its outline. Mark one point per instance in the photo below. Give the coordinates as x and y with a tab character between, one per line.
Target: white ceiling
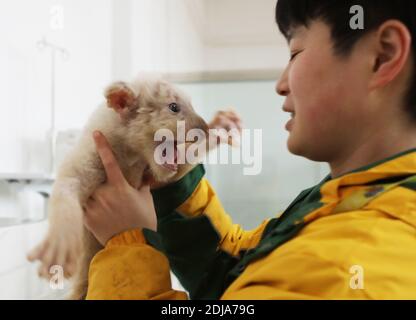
235	22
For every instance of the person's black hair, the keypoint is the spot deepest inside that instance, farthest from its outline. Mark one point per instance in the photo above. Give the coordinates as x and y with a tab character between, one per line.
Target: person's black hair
291	14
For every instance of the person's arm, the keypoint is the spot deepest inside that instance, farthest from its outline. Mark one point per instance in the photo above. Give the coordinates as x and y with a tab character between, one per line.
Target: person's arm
197	235
129	269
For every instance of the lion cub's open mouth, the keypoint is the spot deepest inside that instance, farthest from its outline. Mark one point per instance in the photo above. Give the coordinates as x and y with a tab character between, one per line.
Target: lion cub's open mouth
170	156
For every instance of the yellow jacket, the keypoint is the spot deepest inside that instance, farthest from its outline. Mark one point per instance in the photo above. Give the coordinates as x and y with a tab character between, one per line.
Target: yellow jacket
353	237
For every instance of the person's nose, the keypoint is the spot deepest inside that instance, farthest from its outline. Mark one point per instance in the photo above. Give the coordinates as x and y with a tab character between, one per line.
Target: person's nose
282	85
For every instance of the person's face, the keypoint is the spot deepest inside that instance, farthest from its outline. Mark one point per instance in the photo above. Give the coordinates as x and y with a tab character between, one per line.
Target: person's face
325	92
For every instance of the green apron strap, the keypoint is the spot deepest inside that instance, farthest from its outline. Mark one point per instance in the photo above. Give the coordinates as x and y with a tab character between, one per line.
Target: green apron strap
361	198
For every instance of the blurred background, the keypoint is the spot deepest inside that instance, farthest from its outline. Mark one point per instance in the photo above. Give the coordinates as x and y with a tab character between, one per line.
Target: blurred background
57	56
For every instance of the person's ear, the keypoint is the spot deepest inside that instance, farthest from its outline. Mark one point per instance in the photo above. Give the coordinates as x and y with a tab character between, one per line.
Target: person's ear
121	98
393	46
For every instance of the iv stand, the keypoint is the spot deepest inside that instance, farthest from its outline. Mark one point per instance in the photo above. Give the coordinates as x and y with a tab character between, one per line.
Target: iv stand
42	45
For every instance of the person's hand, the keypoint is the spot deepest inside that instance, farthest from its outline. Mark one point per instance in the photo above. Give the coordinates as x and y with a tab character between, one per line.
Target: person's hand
229	121
116	206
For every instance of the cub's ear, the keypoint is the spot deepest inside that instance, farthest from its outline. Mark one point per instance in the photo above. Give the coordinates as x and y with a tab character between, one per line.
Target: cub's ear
121	98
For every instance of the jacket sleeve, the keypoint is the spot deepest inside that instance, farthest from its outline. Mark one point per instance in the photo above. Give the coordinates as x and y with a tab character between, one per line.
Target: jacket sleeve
129	269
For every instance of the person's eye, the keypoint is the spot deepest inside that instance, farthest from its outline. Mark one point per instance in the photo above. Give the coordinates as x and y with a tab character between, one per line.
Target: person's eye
294	54
174	107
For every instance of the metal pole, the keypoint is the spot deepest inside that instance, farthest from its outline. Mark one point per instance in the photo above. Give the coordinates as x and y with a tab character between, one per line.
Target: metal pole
43	44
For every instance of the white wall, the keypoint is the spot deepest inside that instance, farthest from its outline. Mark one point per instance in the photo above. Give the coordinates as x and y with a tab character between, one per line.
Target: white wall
242	34
185	36
25	80
25	88
164	38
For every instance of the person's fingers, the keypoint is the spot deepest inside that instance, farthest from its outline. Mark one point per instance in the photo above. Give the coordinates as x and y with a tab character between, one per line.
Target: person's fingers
236	119
148	179
99	194
88	206
217	117
223	118
111	167
234	116
145	187
229	113
232	134
90	203
226	123
89	213
87	221
219	122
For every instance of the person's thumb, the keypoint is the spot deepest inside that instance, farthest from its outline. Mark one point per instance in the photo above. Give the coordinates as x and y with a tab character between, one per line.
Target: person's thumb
145	187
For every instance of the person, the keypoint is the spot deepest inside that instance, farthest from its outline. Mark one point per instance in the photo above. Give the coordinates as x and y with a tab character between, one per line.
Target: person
352	96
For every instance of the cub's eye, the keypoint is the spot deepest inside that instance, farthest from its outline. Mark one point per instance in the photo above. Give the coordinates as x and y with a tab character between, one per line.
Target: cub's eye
174	107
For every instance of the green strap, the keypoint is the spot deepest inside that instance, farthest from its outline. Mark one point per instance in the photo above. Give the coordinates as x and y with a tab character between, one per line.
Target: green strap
361	198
